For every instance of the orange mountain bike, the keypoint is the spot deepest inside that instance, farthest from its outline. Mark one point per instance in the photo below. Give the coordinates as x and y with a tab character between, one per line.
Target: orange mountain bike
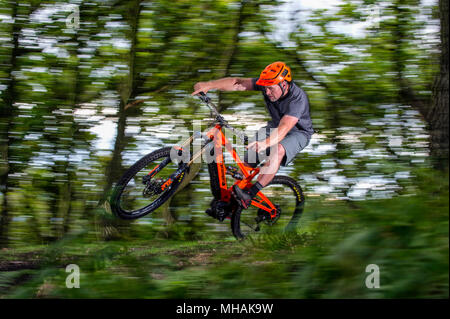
153	179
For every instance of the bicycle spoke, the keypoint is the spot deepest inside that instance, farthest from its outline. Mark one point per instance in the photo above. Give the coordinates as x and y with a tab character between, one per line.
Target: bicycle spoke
142	190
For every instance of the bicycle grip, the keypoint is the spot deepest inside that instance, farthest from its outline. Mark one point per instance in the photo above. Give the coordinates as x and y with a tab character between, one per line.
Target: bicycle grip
203	97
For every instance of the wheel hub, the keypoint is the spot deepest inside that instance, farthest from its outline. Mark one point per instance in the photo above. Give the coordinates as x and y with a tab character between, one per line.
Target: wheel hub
153	187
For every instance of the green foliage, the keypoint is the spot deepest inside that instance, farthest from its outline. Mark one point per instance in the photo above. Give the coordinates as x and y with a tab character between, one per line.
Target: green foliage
407	237
129	71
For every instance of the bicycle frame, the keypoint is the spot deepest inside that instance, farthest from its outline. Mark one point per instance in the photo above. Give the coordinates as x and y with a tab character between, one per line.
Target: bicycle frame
216	135
220	140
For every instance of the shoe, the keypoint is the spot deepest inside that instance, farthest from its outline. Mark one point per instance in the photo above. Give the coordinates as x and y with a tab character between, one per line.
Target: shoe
242	197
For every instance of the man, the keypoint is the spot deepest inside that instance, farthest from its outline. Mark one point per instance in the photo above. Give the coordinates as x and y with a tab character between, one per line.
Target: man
286	134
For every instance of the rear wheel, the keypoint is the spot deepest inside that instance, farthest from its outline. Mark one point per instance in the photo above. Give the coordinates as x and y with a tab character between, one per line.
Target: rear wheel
286	195
136	195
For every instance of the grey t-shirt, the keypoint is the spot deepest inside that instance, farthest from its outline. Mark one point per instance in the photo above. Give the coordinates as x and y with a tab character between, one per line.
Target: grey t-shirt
294	103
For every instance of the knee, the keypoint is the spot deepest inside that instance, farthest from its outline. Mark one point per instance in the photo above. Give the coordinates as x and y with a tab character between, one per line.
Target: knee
278	155
280	150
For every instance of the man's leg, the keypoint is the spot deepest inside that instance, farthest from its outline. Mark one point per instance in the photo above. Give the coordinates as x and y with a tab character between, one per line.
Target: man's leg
271	166
282	154
267	173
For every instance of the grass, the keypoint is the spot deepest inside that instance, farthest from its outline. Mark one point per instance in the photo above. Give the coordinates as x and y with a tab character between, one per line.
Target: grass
406	236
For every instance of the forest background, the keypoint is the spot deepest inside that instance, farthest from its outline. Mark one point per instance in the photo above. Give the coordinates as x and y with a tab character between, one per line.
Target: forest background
88	87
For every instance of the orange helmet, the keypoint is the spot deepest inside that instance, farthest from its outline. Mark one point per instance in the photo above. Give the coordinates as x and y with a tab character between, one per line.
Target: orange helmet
274	73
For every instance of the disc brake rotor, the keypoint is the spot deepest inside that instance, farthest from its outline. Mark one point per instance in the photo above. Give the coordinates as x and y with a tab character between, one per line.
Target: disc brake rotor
153	187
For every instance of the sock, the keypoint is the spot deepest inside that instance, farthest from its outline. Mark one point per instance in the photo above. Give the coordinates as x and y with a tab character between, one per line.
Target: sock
255	189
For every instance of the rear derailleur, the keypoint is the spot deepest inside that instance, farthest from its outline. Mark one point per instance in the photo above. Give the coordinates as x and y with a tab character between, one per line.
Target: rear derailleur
265	216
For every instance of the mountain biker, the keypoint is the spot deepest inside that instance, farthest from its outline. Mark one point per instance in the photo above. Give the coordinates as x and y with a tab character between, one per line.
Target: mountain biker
290	129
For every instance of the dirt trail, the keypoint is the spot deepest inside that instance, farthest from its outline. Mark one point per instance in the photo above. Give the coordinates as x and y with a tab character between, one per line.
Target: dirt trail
22	261
200	254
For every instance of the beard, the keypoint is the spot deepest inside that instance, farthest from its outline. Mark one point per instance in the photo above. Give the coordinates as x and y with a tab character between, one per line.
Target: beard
273	99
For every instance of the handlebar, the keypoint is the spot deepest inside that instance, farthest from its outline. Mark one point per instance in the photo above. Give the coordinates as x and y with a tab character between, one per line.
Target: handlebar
220	118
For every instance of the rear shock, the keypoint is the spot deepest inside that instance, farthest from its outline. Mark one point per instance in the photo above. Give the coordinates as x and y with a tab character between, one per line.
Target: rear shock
234	172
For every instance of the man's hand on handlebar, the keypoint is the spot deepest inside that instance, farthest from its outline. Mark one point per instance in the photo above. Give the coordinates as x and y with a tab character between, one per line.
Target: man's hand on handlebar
201	87
258	146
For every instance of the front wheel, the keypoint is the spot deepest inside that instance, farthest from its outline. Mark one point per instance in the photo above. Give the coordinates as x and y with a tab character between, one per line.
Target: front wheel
144	186
286	195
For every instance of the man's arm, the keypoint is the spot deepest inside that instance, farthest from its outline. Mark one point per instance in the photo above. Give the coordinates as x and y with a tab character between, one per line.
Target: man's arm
224	84
287	122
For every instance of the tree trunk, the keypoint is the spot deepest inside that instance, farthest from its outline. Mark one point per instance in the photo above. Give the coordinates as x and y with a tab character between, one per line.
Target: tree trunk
126	92
230	53
437	116
112	228
6	114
